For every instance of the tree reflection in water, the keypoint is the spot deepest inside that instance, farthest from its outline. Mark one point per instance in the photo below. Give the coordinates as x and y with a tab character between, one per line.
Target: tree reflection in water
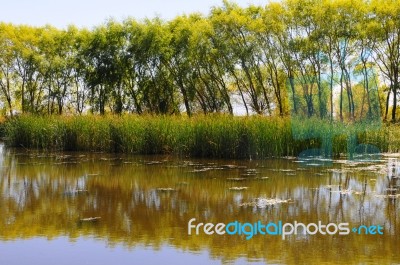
147	201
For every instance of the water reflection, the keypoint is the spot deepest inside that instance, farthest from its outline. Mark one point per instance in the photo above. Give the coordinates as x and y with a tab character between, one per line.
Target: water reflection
144	203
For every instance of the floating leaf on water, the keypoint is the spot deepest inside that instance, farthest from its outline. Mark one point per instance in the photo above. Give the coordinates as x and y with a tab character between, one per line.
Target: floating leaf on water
204	169
248	174
200	170
238	188
262	178
63	157
229	166
192	164
165	189
264	202
301	169
286	170
333	170
389	155
343	192
90	219
152	162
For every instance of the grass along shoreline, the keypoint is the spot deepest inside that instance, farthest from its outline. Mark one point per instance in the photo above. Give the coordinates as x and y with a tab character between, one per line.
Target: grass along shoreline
213	136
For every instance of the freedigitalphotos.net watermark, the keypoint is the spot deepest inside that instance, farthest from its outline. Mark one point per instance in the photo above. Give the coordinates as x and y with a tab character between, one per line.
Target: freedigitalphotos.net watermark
249	230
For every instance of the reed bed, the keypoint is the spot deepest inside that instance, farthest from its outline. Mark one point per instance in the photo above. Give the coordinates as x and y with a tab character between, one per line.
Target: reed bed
216	136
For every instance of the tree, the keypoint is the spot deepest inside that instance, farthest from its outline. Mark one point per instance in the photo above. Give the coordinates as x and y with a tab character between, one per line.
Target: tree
7	65
387	49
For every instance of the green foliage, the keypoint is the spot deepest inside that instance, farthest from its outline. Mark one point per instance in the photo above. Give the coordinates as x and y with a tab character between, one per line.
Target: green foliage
312	58
219	136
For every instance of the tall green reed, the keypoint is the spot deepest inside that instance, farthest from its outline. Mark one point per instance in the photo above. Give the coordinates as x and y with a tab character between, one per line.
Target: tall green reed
218	136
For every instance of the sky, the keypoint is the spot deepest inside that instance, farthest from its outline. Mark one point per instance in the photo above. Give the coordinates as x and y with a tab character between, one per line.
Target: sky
89	13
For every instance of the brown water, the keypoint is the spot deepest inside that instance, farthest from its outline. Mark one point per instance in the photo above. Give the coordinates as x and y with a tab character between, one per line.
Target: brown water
140	208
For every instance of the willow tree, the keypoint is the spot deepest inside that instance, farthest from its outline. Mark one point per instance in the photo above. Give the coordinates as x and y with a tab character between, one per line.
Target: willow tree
386	30
29	65
239	46
153	55
281	39
103	67
132	77
207	73
59	53
7	65
180	59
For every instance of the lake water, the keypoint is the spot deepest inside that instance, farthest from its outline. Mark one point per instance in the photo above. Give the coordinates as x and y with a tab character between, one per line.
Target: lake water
94	208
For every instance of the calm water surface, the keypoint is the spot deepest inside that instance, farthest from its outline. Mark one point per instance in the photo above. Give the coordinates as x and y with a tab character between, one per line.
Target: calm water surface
140	207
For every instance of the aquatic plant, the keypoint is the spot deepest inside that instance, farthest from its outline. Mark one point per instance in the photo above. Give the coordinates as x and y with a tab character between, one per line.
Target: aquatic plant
219	136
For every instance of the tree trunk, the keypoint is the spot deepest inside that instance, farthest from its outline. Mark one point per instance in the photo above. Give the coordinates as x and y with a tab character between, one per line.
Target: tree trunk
396	83
341	97
186	101
291	81
387	102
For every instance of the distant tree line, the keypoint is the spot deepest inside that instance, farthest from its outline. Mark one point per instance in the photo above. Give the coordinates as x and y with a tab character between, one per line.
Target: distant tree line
324	58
